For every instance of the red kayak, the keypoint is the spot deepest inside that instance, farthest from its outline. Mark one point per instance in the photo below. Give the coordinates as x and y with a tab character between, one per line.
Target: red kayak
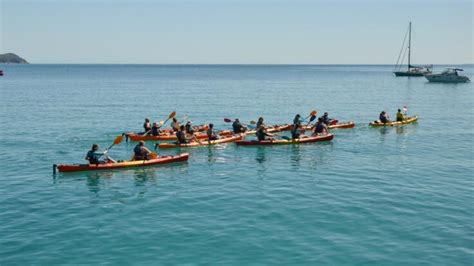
126	164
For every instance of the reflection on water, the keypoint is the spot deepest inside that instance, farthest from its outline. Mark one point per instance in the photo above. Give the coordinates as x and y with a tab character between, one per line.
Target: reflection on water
400	130
141	176
295	156
260	158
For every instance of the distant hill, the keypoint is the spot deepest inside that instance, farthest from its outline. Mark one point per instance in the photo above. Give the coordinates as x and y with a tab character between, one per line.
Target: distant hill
10	58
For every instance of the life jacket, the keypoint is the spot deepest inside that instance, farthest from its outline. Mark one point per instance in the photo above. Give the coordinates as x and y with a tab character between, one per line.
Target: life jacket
147	126
93	158
155	131
139	153
319	128
260	135
181	137
237	127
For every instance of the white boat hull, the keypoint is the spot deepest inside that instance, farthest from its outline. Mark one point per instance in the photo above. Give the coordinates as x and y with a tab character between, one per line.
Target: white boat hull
446	78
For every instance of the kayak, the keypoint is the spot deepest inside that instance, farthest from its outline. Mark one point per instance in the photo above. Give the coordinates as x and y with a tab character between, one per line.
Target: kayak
106	166
172	136
311	139
349	124
204	142
409	120
166	134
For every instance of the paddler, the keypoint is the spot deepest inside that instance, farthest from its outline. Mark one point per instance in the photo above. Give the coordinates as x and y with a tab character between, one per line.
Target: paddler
181	135
260	122
383	117
175	124
93	156
155	129
326	119
297	120
211	134
189	128
238	127
296	131
147	126
400	116
262	134
140	152
320	128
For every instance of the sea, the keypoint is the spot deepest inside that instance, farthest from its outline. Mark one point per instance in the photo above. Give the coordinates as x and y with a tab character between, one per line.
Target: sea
372	196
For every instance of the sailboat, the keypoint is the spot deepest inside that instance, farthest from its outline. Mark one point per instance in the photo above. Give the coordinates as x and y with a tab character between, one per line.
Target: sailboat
412	71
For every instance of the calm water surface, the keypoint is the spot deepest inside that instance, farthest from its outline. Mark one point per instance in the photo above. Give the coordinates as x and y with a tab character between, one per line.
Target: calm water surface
399	196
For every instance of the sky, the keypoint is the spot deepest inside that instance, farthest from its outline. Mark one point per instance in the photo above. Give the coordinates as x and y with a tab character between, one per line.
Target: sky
236	32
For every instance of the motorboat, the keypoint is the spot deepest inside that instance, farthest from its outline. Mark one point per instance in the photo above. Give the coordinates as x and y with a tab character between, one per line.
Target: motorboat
449	75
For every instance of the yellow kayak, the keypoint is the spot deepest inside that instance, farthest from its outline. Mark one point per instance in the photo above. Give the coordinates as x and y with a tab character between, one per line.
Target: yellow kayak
379	123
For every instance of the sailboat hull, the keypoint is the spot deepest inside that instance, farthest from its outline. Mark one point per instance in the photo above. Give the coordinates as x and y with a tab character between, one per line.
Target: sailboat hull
410	74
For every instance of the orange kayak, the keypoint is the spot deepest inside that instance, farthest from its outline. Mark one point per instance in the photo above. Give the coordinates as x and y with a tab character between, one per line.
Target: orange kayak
172	136
311	139
203	143
126	164
349	124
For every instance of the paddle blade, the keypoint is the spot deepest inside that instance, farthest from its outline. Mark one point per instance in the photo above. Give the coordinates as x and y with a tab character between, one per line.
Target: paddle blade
161	122
153	155
227	120
286	137
313	113
173	114
118	140
253	122
313	117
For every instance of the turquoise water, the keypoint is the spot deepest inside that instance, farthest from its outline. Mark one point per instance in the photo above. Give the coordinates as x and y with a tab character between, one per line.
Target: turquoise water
371	196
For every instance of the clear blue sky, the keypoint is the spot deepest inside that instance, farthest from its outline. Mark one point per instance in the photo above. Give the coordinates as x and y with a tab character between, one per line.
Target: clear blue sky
241	32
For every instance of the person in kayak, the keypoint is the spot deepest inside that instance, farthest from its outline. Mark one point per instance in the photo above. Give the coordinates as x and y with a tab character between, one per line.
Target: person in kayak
175	124
260	122
383	117
181	135
320	128
262	134
155	129
297	120
93	156
326	119
189	128
296	131
238	127
147	126
211	134
400	116
140	152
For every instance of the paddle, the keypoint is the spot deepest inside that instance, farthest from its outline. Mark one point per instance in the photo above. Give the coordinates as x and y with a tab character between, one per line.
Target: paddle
153	155
117	141
171	115
313	113
313	117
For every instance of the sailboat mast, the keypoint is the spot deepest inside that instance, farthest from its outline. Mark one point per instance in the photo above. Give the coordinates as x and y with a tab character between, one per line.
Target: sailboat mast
409	45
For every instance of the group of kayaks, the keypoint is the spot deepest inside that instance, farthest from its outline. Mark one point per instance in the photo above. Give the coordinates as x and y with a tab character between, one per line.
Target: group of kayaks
225	136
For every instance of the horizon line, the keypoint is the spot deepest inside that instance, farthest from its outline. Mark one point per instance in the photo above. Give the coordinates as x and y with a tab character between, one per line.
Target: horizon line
240	64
